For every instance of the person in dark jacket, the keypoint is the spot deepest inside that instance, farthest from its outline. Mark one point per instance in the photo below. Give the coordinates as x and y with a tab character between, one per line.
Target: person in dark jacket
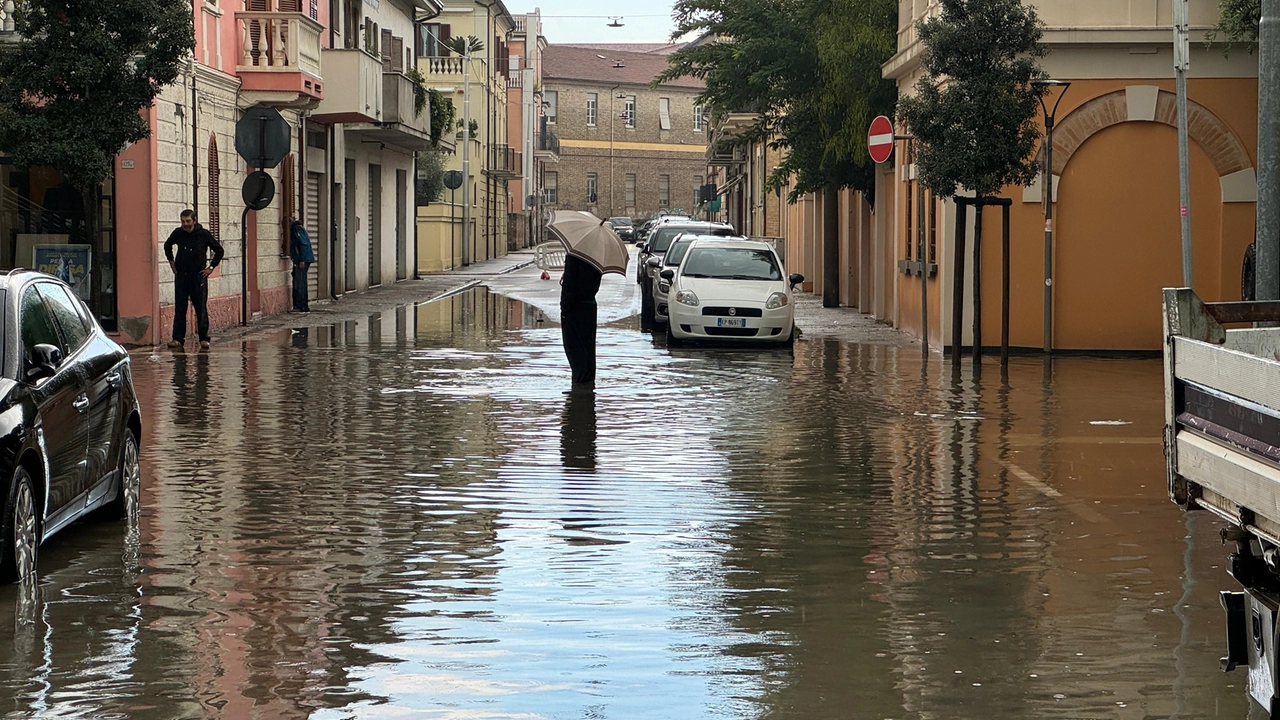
191	270
302	255
578	288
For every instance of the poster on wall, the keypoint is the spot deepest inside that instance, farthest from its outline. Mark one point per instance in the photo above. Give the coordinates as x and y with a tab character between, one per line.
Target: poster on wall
68	263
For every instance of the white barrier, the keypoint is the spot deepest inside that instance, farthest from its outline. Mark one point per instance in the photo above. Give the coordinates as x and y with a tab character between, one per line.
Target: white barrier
549	255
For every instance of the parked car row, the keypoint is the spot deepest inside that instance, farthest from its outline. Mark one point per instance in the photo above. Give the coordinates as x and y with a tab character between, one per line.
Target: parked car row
701	281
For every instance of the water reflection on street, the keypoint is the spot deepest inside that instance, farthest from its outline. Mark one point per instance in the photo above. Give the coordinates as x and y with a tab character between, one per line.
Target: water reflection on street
405	517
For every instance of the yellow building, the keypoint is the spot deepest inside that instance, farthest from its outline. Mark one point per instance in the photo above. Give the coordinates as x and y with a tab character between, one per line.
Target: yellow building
493	164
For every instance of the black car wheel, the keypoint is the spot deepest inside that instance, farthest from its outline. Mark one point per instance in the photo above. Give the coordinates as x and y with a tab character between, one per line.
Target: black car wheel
646	308
672	340
21	529
125	506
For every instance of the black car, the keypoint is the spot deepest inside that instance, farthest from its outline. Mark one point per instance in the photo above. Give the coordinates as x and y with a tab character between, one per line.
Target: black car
69	419
623	227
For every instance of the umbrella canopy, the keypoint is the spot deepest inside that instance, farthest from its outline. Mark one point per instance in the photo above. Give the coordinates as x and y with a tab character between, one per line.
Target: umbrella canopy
589	238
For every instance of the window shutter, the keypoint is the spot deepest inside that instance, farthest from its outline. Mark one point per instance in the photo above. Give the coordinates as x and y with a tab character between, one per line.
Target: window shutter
384	48
397	54
445	37
214	217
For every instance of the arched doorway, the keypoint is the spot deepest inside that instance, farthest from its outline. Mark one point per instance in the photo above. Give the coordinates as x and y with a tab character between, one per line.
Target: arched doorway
1119	237
1118	240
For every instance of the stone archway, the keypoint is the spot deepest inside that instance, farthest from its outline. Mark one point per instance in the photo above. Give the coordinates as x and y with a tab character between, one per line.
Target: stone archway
1148	103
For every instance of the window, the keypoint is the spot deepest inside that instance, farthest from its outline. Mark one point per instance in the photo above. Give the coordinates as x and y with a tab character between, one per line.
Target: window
214	216
664	113
664	191
933	228
631	190
592	186
550	187
630	112
910	212
697	190
433	38
697	118
549	98
66	311
37	327
593	108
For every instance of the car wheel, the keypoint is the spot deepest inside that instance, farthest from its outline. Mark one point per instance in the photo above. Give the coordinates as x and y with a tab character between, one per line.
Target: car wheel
21	528
125	506
672	340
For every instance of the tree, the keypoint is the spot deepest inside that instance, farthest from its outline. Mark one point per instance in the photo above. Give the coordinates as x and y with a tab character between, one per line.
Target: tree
443	114
75	84
1237	21
430	185
974	113
810	70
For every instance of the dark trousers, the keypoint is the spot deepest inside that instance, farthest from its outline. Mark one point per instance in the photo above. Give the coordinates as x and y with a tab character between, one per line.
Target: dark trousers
193	288
300	301
578	329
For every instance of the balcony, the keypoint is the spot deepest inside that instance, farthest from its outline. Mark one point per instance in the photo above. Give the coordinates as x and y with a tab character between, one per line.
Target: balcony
361	75
278	58
400	126
505	162
548	147
441	70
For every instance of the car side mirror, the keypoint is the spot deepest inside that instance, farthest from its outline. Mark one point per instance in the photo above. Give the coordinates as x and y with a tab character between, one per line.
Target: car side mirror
45	361
668	274
795	279
654	262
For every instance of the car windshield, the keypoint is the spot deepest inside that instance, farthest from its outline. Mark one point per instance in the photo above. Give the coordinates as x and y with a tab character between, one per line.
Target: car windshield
661	237
732	264
676	252
619	222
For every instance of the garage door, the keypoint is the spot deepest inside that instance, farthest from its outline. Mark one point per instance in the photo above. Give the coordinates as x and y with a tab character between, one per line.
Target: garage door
313	229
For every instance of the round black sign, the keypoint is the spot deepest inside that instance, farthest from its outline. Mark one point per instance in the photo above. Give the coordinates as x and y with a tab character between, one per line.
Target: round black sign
258	190
453	179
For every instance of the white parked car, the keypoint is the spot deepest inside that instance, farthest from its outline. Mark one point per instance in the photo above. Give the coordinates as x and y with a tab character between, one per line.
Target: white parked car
730	290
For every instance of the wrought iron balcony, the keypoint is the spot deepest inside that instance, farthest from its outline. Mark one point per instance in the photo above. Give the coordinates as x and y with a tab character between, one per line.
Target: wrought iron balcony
548	147
505	162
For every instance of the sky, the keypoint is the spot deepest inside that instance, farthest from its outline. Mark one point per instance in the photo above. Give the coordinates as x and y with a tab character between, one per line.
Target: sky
563	21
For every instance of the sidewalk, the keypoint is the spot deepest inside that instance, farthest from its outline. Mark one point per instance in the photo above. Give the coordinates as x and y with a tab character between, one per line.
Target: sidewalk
359	305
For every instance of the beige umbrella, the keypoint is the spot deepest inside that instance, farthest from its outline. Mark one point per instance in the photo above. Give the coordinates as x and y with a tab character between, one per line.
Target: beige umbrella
591	239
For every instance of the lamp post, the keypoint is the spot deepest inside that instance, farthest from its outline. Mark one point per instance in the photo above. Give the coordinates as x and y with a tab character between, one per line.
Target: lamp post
1047	187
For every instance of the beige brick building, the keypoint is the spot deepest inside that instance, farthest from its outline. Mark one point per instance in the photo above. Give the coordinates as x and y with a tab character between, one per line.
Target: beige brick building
625	148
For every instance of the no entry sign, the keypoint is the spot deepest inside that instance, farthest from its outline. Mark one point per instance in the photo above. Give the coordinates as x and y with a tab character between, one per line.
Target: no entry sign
880	139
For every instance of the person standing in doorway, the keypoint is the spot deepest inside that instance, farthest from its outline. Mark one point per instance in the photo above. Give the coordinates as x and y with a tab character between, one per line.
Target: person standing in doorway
303	256
578	288
191	270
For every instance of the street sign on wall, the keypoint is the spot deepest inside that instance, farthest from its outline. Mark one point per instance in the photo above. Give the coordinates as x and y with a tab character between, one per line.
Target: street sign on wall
880	139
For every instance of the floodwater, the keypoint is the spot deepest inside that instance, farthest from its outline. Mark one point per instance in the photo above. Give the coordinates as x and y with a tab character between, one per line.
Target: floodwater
405	518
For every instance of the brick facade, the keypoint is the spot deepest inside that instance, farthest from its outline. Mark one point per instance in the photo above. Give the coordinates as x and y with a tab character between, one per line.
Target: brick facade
647	151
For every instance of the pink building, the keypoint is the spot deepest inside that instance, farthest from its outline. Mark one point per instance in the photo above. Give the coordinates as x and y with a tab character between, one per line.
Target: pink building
354	202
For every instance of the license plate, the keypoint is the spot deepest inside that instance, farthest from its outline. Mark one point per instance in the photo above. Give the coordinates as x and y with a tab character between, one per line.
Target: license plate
731	322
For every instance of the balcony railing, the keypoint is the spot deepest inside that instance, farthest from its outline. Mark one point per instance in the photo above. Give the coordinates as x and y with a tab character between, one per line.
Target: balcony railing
398	103
278	42
548	143
521	23
505	161
444	65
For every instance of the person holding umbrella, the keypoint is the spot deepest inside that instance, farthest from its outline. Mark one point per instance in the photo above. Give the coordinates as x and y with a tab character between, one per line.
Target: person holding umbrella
592	249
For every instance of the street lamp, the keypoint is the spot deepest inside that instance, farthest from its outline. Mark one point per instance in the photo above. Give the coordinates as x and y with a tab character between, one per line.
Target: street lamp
1047	187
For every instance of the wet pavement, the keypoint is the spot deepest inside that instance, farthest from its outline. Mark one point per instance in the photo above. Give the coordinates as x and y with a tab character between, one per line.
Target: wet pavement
402	516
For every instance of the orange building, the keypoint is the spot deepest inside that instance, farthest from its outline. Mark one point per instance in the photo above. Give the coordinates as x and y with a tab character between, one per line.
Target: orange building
1116	213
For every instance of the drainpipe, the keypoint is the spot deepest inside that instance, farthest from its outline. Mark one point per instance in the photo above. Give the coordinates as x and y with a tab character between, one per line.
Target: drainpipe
1268	221
195	144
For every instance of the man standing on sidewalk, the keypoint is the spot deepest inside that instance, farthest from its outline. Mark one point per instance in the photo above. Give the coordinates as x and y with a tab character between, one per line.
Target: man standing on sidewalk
302	255
191	270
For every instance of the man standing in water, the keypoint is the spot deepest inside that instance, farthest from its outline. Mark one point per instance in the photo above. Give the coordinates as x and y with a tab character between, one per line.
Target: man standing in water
578	288
191	271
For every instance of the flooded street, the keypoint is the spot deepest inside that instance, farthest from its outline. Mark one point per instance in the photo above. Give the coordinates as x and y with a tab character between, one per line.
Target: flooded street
404	517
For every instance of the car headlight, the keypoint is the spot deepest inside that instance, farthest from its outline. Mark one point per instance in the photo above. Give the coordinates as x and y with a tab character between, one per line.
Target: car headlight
776	301
686	297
